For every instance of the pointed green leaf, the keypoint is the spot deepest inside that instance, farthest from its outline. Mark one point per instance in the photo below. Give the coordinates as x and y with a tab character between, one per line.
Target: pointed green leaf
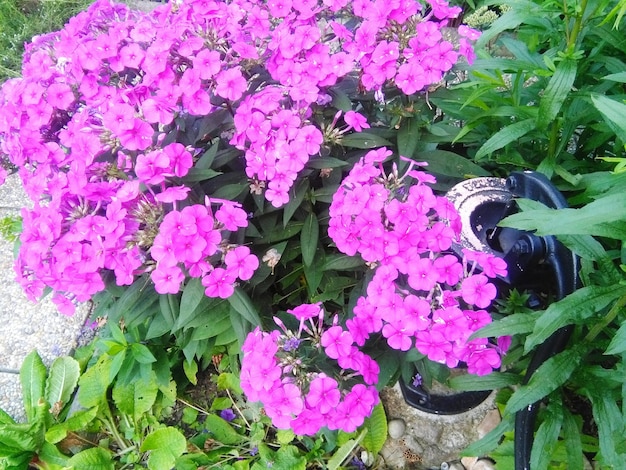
193	295
517	323
573	309
471	383
342	262
244	306
450	164
95	458
95	382
573	442
547	436
52	457
613	112
548	377
376	425
136	397
341	454
408	136
62	381
319	163
296	196
308	238
142	354
556	92
618	343
364	140
191	371
222	430
505	136
33	380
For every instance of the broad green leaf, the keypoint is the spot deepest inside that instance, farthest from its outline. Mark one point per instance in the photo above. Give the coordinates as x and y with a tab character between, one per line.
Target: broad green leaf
33	380
308	238
548	377
547	436
62	380
229	191
608	418
296	196
573	309
616	77
573	443
320	163
165	446
376	426
364	140
613	112
193	294
229	381
618	343
136	397
95	458
505	136
199	174
241	302
142	354
605	217
191	371
408	136
16	438
345	451
222	430
450	164
517	323
206	160
285	436
52	456
556	92
95	382
472	383
342	262
77	422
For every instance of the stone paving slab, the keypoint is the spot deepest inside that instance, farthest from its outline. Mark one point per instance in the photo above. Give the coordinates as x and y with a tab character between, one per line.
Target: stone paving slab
25	325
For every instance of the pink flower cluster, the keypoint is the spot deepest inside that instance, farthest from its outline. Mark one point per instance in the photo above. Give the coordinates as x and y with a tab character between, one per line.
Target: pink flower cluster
98	124
422	294
289	372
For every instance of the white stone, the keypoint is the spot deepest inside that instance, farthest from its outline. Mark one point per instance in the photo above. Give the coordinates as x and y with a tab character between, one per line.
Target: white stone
483	464
396	428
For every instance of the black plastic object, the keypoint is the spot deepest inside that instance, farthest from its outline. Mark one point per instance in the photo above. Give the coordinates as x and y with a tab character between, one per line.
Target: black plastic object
541	265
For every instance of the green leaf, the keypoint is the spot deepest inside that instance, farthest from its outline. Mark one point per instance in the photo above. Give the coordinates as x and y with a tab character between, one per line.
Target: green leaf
604	217
517	323
296	196
285	436
33	380
165	446
142	354
548	377
573	442
52	456
573	309
547	436
222	430
469	382
62	380
505	136
618	343
556	92
408	137
77	422
376	426
613	112
364	140
136	397
241	302
95	458
608	418
95	382
199	174
491	439
191	371
450	164
344	451
229	191
319	163
308	238
342	262
193	294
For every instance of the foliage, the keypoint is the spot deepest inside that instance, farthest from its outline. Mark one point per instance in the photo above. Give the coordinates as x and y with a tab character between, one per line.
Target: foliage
547	94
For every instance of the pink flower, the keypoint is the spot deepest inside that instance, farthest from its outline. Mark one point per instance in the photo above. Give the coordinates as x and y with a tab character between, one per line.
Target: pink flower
167	279
306	311
231	84
232	216
177	193
323	394
477	290
356	121
219	283
241	262
336	342
60	95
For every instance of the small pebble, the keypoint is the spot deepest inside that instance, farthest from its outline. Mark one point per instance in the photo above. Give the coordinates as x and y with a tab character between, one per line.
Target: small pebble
396	428
483	464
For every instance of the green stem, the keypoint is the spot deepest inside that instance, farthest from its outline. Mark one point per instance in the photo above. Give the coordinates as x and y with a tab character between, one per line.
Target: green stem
578	24
608	318
109	422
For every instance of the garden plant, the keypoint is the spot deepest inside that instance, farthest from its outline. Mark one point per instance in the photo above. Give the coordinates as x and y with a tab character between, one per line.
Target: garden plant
256	188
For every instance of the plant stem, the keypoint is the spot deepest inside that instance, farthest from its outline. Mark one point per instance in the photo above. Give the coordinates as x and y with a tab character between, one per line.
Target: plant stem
571	41
608	318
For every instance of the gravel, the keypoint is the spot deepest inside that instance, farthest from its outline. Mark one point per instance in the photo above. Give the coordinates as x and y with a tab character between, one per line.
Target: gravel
25	325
